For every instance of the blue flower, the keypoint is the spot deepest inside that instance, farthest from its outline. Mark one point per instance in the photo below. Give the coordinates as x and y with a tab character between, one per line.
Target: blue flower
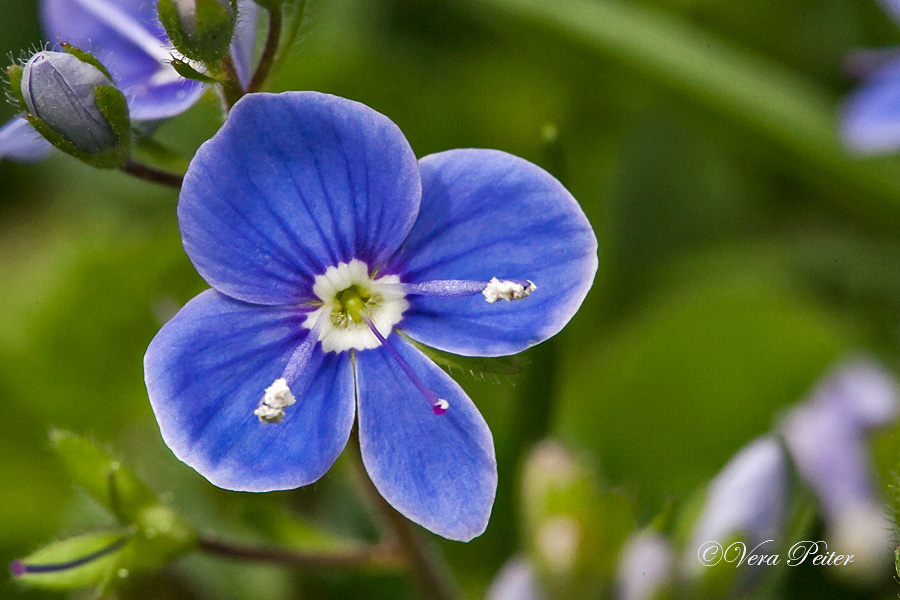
328	245
127	38
827	438
871	116
747	501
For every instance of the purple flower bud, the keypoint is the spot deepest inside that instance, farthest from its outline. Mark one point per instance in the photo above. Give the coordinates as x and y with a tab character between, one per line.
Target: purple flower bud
60	89
646	566
747	500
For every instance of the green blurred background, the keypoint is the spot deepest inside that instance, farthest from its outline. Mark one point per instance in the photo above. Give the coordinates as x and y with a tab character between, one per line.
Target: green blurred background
740	256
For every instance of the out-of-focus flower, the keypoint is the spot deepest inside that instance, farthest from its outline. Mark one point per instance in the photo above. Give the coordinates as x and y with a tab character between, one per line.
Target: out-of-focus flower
323	238
515	581
746	502
646	567
826	437
127	38
871	116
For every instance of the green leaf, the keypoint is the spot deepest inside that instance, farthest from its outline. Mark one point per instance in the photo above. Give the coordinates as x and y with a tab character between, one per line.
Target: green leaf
114	106
86	57
476	366
99	554
103	476
189	72
14	74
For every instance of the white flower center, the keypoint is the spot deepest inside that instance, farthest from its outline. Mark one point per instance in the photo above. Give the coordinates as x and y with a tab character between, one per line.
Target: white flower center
348	292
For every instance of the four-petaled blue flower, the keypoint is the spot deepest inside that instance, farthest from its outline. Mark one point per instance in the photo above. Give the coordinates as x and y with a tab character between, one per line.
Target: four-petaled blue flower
126	36
326	244
871	119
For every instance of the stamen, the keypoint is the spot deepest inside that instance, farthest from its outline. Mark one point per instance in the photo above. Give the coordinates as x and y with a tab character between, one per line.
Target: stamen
439	406
19	568
493	290
278	395
507	289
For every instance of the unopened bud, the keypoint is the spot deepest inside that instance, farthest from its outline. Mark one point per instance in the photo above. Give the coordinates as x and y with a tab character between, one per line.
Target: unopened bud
60	89
199	29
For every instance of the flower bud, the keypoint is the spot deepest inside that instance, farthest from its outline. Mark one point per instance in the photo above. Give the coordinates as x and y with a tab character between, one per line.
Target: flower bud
60	89
199	29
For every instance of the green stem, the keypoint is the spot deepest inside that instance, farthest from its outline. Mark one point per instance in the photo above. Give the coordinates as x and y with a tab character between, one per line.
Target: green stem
152	174
382	555
266	61
231	87
433	578
762	96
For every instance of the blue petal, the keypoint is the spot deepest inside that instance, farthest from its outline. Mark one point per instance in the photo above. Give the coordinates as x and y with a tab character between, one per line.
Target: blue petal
21	143
243	47
871	120
128	39
439	471
488	214
292	184
206	372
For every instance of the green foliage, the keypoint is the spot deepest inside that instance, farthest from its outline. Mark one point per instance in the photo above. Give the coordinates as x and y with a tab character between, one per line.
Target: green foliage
110	546
152	534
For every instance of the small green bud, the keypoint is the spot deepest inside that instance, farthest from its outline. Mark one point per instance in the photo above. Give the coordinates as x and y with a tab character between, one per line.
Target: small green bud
71	100
199	29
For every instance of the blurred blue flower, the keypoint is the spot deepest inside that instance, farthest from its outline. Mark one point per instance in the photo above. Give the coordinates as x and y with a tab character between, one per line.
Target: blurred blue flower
826	437
127	38
322	237
646	567
747	501
871	116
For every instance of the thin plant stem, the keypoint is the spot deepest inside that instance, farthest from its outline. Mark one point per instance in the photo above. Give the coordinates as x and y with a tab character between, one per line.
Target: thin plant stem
273	40
231	87
383	555
433	577
152	174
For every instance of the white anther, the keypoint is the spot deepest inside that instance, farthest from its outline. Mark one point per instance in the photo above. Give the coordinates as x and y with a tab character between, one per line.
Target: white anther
442	404
504	289
278	396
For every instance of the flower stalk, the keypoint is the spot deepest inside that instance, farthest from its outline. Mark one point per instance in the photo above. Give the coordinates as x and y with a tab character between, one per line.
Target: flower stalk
432	576
267	60
152	174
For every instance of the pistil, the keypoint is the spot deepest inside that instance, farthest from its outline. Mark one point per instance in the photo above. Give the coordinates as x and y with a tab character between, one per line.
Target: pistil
439	406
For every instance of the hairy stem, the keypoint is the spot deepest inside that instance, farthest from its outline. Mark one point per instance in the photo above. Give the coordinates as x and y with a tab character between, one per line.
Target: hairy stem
381	555
152	174
433	578
273	40
231	87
